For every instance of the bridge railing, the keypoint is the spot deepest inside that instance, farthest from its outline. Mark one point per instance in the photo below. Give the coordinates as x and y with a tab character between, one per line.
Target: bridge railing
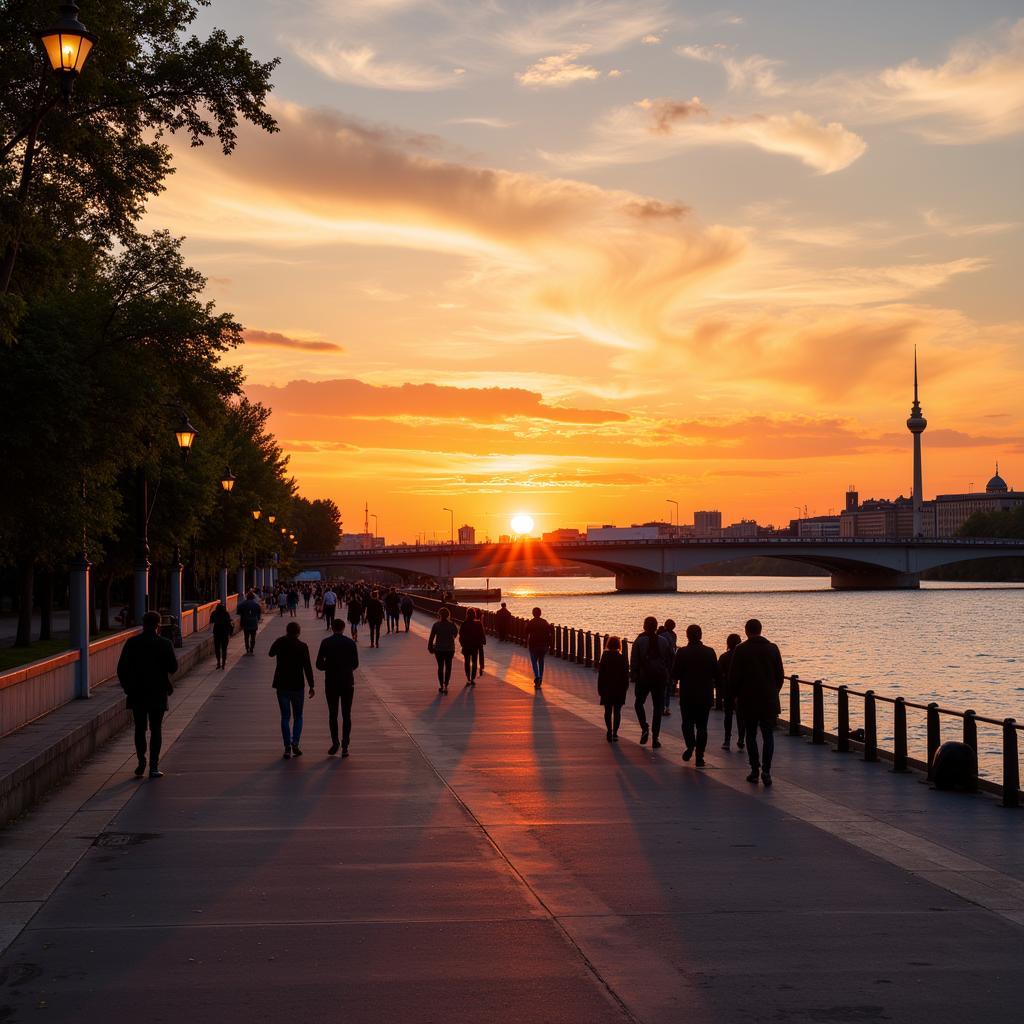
585	647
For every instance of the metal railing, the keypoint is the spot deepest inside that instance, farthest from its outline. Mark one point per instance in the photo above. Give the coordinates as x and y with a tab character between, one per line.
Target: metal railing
585	647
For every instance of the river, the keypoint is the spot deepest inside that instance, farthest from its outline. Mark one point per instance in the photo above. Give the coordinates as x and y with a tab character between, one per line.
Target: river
958	644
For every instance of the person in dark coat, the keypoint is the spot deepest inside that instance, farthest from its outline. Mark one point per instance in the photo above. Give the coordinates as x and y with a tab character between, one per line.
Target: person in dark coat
538	639
696	668
732	641
471	639
338	658
354	614
755	678
502	621
613	685
249	613
650	665
374	618
668	631
407	610
223	626
293	668
441	644
144	671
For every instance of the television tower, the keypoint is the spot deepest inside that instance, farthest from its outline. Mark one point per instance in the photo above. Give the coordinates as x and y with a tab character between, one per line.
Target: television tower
916	424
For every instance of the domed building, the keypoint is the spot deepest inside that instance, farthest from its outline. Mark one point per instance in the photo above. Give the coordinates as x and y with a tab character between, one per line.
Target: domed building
997	485
953	510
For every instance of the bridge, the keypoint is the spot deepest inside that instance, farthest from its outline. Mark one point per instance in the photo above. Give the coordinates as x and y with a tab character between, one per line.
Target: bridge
654	565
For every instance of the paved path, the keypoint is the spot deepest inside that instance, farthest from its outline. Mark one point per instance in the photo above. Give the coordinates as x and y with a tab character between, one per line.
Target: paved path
487	856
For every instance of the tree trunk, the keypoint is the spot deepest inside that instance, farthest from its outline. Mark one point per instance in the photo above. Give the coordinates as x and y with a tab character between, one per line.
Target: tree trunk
46	605
26	591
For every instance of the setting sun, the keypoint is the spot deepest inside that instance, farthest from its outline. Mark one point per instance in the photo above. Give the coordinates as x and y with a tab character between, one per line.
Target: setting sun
522	524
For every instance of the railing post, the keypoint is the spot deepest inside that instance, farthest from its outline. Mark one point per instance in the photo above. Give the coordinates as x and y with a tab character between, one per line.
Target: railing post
870	727
971	729
572	644
899	748
843	724
794	706
565	642
934	734
818	724
588	659
598	651
579	646
1011	764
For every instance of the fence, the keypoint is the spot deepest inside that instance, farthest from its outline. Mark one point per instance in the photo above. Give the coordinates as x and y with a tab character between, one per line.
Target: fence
585	648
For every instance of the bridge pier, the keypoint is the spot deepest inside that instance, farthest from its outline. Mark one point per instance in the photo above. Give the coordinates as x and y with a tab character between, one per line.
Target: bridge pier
870	578
643	581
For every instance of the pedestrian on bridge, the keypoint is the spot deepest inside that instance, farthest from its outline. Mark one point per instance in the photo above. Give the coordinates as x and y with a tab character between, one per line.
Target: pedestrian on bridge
293	667
613	685
472	639
755	678
696	668
144	671
650	666
338	658
538	640
729	703
441	644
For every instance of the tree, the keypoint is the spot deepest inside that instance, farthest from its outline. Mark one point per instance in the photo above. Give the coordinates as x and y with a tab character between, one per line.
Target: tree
1006	524
318	525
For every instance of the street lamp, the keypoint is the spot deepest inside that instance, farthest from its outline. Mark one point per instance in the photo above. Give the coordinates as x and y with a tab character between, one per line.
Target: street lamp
256	513
68	44
185	435
227	481
271	518
672	501
373	516
451	539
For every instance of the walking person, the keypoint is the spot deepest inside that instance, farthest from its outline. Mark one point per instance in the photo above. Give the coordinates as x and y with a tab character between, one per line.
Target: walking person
330	600
471	639
441	644
407	609
307	593
392	603
668	631
374	611
293	668
613	685
756	676
223	626
483	641
650	665
729	703
354	614
282	602
502	621
249	615
538	639
293	602
338	658
144	671
696	668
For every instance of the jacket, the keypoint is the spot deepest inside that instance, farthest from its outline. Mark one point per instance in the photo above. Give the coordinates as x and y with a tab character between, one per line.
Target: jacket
724	666
144	670
354	612
755	678
613	678
338	658
650	665
293	664
538	635
222	623
471	635
696	668
442	636
249	612
374	611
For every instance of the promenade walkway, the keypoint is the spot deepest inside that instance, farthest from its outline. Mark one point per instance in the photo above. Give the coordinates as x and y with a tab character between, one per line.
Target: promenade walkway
487	856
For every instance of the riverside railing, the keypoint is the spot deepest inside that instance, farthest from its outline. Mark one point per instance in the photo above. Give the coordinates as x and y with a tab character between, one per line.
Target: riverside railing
585	647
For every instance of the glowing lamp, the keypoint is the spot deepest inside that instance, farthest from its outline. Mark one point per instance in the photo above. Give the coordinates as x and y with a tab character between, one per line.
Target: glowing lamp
284	529
227	481
256	513
185	435
67	44
271	519
291	536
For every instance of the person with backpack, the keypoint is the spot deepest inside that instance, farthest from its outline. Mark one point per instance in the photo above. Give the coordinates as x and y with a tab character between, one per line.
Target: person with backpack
613	685
650	666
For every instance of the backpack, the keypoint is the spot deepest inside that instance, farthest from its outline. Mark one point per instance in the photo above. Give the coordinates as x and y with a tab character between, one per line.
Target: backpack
653	669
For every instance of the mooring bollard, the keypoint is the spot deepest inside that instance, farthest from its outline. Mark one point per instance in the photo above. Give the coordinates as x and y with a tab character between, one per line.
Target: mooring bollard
899	751
934	734
565	642
572	644
1011	764
579	647
870	727
588	660
794	706
843	724
818	722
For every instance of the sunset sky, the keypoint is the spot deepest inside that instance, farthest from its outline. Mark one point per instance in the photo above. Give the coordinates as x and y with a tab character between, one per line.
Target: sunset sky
576	258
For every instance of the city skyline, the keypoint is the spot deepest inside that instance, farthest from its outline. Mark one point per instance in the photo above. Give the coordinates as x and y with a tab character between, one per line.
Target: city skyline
579	259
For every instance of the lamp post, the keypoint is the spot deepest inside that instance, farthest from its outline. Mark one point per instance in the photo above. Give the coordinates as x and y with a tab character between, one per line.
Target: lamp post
672	501
185	436
373	516
451	528
227	480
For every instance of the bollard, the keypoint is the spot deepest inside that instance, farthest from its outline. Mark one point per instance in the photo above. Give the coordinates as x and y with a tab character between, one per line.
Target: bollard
588	658
598	651
843	726
934	734
579	646
556	645
971	729
1011	764
899	749
818	726
794	706
572	644
565	642
870	727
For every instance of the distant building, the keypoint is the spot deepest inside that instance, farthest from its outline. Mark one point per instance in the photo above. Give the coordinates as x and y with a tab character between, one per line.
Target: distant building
564	534
953	510
359	542
467	534
707	524
504	539
885	519
745	529
645	531
818	527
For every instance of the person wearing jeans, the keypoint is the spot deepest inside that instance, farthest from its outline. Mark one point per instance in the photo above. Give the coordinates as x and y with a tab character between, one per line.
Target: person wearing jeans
649	665
293	668
756	676
732	641
338	658
441	644
538	639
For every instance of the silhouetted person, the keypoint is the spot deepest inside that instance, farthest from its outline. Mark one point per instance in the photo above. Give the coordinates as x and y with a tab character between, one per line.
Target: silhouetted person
729	704
407	609
293	668
668	631
502	621
441	644
391	608
696	668
538	639
249	615
293	602
223	625
282	603
330	607
650	664
613	685
755	678
144	670
471	639
338	658
374	618
354	614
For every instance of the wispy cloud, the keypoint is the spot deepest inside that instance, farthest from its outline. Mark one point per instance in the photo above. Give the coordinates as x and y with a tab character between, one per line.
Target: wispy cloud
363	66
559	69
485	122
276	340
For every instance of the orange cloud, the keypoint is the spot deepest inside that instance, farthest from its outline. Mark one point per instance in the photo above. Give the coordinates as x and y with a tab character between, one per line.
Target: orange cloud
276	340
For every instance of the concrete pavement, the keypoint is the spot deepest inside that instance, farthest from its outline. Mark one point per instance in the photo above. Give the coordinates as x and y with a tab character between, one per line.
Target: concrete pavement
488	856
